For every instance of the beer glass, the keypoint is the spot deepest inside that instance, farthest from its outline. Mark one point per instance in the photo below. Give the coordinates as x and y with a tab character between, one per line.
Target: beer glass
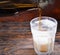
43	38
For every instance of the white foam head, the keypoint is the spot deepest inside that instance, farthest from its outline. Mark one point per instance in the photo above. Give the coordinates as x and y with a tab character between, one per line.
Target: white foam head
48	23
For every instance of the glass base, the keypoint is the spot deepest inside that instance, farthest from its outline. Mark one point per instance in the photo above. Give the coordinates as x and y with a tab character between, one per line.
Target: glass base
43	53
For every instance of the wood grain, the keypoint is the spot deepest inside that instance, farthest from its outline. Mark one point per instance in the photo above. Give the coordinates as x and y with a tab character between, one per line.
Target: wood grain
29	14
20	17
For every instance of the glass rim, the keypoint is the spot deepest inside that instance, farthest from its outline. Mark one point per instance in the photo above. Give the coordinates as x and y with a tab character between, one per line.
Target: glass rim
46	17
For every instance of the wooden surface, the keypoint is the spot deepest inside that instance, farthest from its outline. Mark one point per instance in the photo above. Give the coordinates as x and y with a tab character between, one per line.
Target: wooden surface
22	16
16	39
27	15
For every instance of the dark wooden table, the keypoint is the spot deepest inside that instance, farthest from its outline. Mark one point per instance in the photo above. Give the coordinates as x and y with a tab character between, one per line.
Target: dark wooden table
16	39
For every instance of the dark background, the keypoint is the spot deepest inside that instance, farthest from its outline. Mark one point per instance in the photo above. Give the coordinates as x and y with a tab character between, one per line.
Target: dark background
52	10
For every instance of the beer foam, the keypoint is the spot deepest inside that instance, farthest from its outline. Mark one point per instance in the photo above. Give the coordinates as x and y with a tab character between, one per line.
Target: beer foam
48	23
44	23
